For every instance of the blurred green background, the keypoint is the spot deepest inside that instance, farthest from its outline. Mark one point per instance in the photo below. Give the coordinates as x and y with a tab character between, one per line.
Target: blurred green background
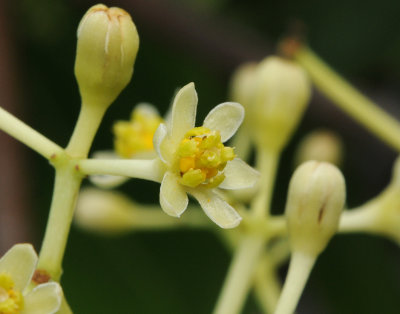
200	41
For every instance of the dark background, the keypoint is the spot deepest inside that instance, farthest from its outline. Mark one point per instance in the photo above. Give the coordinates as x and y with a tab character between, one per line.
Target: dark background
200	41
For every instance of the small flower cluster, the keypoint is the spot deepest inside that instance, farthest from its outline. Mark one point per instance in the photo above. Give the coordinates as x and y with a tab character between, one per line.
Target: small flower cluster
194	161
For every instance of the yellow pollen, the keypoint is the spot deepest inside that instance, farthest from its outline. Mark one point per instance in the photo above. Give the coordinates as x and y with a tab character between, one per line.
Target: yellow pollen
136	136
11	301
202	157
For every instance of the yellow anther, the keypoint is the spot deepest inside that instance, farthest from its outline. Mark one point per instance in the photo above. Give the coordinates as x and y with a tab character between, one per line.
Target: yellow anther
188	147
11	301
201	157
186	163
227	153
136	136
215	181
193	178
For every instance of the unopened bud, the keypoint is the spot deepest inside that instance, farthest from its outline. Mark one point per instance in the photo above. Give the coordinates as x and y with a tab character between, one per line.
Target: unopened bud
106	51
315	201
320	145
242	84
103	211
281	93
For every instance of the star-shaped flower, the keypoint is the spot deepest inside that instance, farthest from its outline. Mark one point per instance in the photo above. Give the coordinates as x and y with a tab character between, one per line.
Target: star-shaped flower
196	160
16	270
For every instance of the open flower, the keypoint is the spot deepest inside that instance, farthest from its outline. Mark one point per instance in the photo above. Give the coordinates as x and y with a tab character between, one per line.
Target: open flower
196	160
16	270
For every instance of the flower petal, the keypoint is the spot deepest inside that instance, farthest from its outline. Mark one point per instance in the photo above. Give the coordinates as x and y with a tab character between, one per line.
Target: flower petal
20	263
158	140
225	118
44	299
218	210
173	198
183	112
239	175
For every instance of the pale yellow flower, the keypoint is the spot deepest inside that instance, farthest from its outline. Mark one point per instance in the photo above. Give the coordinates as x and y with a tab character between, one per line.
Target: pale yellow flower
196	161
16	270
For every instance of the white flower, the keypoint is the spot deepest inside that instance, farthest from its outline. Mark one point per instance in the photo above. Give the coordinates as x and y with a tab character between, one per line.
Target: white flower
197	162
16	270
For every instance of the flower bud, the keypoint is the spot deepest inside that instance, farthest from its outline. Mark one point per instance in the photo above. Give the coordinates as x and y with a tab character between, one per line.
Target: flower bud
106	51
281	93
104	211
320	145
315	201
242	83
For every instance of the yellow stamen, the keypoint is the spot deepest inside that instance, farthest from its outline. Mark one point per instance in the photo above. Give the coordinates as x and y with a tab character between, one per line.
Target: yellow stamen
202	157
11	301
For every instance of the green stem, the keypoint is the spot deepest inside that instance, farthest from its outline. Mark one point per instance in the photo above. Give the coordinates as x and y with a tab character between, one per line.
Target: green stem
246	256
267	286
267	164
66	187
25	134
142	169
358	220
89	121
240	273
299	270
349	99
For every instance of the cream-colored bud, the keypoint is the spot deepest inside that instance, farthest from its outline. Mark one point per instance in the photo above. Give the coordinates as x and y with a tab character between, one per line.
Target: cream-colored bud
104	211
281	93
320	145
106	51
314	204
242	84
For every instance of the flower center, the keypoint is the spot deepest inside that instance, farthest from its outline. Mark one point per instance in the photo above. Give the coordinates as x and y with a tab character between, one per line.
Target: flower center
202	158
11	301
136	136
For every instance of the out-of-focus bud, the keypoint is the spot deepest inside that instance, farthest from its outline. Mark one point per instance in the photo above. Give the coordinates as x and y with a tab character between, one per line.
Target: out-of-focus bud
315	201
106	51
320	145
242	83
281	93
242	91
104	211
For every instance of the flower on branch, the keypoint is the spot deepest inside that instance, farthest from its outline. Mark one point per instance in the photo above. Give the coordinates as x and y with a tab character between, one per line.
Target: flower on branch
196	160
17	267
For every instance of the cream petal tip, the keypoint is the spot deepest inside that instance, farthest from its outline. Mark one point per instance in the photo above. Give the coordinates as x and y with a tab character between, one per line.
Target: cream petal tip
225	118
20	263
44	299
183	111
173	198
239	175
217	209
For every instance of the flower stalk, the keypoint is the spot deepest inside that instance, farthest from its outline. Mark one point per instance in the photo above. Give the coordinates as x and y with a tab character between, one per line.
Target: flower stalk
349	99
